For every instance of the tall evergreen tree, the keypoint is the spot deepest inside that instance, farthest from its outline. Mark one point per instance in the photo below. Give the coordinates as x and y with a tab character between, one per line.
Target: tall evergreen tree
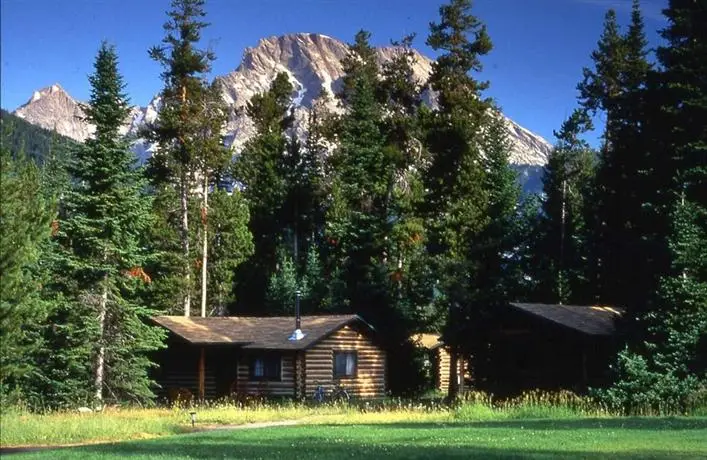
665	358
183	119
684	83
662	371
25	217
230	244
563	249
493	250
107	217
615	87
259	170
405	152
357	217
456	199
602	87
212	160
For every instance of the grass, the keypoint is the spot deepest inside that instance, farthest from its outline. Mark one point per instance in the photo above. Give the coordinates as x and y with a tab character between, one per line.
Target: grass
620	438
20	428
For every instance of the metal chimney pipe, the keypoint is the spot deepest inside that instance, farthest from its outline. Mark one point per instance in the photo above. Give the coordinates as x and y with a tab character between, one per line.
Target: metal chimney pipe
297	313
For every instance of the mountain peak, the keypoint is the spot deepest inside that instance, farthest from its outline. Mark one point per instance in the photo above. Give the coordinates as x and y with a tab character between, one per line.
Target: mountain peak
48	91
312	63
53	108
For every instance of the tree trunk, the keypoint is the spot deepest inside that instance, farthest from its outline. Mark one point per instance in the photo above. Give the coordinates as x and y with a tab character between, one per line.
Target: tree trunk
296	236
184	191
185	242
101	356
561	264
205	243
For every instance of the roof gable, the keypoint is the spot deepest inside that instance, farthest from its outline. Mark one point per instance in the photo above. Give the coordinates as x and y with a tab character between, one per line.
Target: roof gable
429	341
268	333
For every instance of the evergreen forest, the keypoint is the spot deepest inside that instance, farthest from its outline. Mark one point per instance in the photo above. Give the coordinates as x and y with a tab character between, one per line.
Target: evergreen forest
403	212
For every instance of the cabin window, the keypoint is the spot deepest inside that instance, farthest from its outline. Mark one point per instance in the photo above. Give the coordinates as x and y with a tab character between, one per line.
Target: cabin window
345	363
267	367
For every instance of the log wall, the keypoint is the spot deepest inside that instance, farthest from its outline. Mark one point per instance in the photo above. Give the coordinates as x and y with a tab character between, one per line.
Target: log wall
369	381
283	387
443	364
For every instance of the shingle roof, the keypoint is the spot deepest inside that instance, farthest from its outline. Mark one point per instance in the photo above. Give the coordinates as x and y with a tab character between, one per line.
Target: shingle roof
255	332
586	319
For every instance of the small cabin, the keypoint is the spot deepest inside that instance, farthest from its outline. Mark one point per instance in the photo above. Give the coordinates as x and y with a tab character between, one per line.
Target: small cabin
552	347
440	361
233	356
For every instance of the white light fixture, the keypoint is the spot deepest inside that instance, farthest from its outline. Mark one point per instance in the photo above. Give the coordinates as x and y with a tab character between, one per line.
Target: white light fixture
297	334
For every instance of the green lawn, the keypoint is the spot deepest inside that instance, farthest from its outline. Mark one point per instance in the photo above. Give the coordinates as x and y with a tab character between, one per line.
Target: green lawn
615	438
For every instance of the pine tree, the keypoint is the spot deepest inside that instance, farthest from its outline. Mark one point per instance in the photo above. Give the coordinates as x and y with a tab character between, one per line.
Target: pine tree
678	326
665	359
601	87
684	83
494	247
25	217
405	152
230	244
183	119
456	200
670	364
302	217
260	171
283	286
563	246
212	159
616	87
357	216
107	217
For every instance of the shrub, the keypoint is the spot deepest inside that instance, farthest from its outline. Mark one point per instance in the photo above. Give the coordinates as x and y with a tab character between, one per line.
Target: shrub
638	390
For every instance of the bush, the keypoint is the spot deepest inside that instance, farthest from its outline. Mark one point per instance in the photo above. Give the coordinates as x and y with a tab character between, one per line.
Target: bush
638	390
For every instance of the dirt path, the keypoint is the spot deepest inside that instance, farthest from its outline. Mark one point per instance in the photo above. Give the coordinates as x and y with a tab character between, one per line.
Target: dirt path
245	426
196	429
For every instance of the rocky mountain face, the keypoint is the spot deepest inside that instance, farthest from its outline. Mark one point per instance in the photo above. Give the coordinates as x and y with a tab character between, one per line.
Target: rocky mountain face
52	108
313	63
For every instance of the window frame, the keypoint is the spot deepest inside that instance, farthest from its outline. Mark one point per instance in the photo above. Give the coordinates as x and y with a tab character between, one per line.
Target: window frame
266	358
353	353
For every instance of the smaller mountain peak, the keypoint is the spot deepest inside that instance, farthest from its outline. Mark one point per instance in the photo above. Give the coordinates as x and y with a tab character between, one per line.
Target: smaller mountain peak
53	89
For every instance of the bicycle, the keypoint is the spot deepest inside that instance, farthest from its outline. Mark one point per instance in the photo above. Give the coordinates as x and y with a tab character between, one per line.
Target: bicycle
319	394
340	394
337	394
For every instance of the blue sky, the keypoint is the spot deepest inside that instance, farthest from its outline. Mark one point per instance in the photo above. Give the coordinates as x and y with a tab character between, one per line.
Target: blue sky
540	46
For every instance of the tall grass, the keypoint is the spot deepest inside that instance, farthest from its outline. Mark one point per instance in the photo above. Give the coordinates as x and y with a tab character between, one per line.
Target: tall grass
19	427
478	406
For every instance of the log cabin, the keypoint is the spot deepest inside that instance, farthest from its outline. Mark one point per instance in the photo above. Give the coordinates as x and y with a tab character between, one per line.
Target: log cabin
215	357
439	358
552	347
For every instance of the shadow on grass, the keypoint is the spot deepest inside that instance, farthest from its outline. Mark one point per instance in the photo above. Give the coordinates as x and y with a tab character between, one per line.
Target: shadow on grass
207	446
631	423
423	441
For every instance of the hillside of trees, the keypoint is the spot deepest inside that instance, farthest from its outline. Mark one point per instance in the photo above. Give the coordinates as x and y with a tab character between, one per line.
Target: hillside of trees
409	216
38	143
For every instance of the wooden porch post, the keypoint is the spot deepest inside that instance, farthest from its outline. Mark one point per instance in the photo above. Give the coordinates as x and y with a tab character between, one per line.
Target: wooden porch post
202	373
